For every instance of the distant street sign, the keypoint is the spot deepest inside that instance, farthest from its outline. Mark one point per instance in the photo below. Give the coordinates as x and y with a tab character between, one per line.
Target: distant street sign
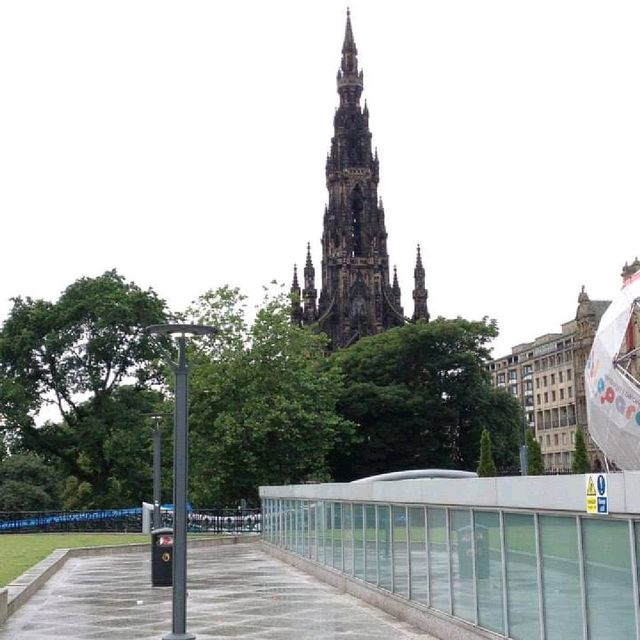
596	493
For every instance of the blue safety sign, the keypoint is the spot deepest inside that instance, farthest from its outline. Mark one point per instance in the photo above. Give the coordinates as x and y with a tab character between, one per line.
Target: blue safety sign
602	485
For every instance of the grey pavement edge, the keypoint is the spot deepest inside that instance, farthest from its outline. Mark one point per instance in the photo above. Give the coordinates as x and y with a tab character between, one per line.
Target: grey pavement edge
235	591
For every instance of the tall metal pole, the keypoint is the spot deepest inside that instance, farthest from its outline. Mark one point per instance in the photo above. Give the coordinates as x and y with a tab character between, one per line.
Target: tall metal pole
157	459
179	622
524	453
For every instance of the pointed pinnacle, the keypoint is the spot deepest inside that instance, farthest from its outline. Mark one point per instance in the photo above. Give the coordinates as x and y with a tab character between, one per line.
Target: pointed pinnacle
309	263
294	284
349	45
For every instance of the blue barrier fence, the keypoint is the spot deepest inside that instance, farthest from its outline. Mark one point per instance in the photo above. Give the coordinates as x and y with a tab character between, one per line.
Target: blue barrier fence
216	520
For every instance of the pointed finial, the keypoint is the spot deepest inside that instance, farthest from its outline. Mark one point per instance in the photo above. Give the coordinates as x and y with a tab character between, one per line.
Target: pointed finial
349	45
309	264
418	258
294	284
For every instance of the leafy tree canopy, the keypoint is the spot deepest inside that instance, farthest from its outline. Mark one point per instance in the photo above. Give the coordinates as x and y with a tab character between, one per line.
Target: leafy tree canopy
263	408
421	396
81	347
28	483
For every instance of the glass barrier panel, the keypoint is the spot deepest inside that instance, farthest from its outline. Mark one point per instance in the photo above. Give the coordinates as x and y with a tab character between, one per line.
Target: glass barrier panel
418	555
384	547
337	535
522	576
313	550
358	540
461	541
400	551
488	545
608	579
347	538
328	534
371	560
320	519
438	559
560	578
305	529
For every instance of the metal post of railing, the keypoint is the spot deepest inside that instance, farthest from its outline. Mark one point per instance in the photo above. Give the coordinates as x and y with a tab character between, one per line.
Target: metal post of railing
583	590
474	564
634	567
503	554
536	527
426	548
447	522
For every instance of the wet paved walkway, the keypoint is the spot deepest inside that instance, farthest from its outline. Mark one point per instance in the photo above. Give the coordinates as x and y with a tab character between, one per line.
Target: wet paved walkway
234	592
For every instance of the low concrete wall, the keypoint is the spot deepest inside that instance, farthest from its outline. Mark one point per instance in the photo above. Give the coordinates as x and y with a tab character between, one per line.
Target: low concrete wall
4	600
541	493
26	585
439	625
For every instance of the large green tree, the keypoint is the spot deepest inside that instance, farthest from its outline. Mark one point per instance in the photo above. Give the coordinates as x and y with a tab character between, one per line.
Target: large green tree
28	483
263	405
86	360
421	396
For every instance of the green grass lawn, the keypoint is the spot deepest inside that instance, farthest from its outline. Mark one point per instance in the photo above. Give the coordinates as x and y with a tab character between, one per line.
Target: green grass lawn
19	551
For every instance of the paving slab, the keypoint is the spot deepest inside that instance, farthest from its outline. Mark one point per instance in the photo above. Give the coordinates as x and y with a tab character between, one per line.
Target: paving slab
233	592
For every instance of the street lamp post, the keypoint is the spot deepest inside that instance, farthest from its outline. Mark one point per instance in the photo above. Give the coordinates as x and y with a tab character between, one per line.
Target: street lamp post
156	436
524	450
180	472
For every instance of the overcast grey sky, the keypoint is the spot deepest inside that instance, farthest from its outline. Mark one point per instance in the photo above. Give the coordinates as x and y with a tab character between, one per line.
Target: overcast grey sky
184	144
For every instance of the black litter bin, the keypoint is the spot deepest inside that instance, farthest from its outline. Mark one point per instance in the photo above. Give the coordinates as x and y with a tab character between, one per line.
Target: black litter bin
162	557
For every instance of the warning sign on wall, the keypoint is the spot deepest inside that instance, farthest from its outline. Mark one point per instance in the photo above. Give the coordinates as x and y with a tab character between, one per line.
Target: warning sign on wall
596	493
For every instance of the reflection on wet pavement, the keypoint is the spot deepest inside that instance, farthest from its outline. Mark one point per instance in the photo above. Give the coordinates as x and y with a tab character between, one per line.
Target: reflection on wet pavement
234	592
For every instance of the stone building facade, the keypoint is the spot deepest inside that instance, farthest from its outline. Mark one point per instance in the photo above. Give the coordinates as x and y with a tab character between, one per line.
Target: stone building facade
547	376
357	297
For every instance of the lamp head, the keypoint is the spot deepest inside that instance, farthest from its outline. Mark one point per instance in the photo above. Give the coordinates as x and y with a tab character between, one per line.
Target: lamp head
181	330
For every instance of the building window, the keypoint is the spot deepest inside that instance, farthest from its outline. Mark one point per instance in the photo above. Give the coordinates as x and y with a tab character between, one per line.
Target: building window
555	439
573	437
559	376
553	396
568	375
564	438
501	378
561	394
537	383
544	381
553	378
570	391
538	398
546	397
513	376
548	440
